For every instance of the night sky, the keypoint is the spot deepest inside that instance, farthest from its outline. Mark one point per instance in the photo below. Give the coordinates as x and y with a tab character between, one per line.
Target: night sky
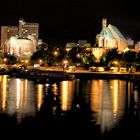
70	20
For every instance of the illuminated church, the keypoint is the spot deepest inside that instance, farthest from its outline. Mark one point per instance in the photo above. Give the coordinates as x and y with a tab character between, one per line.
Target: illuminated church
110	37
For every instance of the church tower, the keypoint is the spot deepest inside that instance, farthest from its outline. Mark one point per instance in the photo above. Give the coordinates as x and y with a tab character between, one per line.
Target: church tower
104	23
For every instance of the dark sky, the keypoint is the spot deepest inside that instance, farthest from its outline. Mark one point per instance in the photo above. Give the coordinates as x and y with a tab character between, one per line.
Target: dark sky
71	20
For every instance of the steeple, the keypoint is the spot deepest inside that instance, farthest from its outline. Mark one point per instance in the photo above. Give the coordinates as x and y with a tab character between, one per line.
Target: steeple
104	23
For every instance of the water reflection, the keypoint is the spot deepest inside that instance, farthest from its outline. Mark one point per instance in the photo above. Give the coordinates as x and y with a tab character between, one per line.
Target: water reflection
100	102
134	101
108	102
67	92
40	96
3	92
21	98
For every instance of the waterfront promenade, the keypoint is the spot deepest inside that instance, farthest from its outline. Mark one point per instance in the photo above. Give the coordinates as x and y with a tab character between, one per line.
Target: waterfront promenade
82	73
106	75
86	74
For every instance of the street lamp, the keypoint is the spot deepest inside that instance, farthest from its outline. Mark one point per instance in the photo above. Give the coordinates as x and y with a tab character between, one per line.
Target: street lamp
78	55
55	53
22	61
26	62
4	60
40	62
65	62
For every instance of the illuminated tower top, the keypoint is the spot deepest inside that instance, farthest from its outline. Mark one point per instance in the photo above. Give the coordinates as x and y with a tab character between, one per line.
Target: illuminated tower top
21	23
26	29
104	23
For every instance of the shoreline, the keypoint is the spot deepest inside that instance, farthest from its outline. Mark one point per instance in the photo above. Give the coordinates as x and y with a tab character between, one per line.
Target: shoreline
107	75
80	74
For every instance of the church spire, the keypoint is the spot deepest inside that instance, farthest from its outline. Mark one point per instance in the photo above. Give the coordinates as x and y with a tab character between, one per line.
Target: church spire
104	23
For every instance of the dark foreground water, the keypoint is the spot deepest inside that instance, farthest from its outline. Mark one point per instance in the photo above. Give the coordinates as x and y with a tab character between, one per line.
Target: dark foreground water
88	109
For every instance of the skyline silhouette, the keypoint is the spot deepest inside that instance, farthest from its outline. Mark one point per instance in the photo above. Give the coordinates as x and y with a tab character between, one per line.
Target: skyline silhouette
73	19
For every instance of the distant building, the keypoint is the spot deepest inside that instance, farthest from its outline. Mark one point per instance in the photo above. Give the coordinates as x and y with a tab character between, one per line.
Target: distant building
81	43
18	46
110	37
23	31
130	42
7	32
26	29
137	46
88	46
70	45
40	42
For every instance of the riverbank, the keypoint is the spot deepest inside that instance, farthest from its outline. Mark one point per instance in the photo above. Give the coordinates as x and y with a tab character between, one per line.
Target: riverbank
79	74
106	75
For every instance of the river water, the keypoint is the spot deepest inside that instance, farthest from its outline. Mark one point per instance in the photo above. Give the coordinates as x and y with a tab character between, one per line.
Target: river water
91	109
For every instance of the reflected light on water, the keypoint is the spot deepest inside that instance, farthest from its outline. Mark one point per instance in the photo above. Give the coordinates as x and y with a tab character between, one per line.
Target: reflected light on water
119	98
130	89
67	91
4	81
106	114
21	98
107	102
115	96
136	99
55	90
18	84
96	93
39	96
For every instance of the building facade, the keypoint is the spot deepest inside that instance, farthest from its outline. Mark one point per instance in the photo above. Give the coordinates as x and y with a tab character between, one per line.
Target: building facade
110	37
7	32
19	46
26	31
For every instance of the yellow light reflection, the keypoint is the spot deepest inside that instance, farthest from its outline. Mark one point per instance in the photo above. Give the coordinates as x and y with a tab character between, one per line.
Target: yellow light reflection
21	98
101	104
64	95
115	96
55	89
0	78
4	92
22	94
96	95
39	96
18	94
26	90
67	90
130	90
